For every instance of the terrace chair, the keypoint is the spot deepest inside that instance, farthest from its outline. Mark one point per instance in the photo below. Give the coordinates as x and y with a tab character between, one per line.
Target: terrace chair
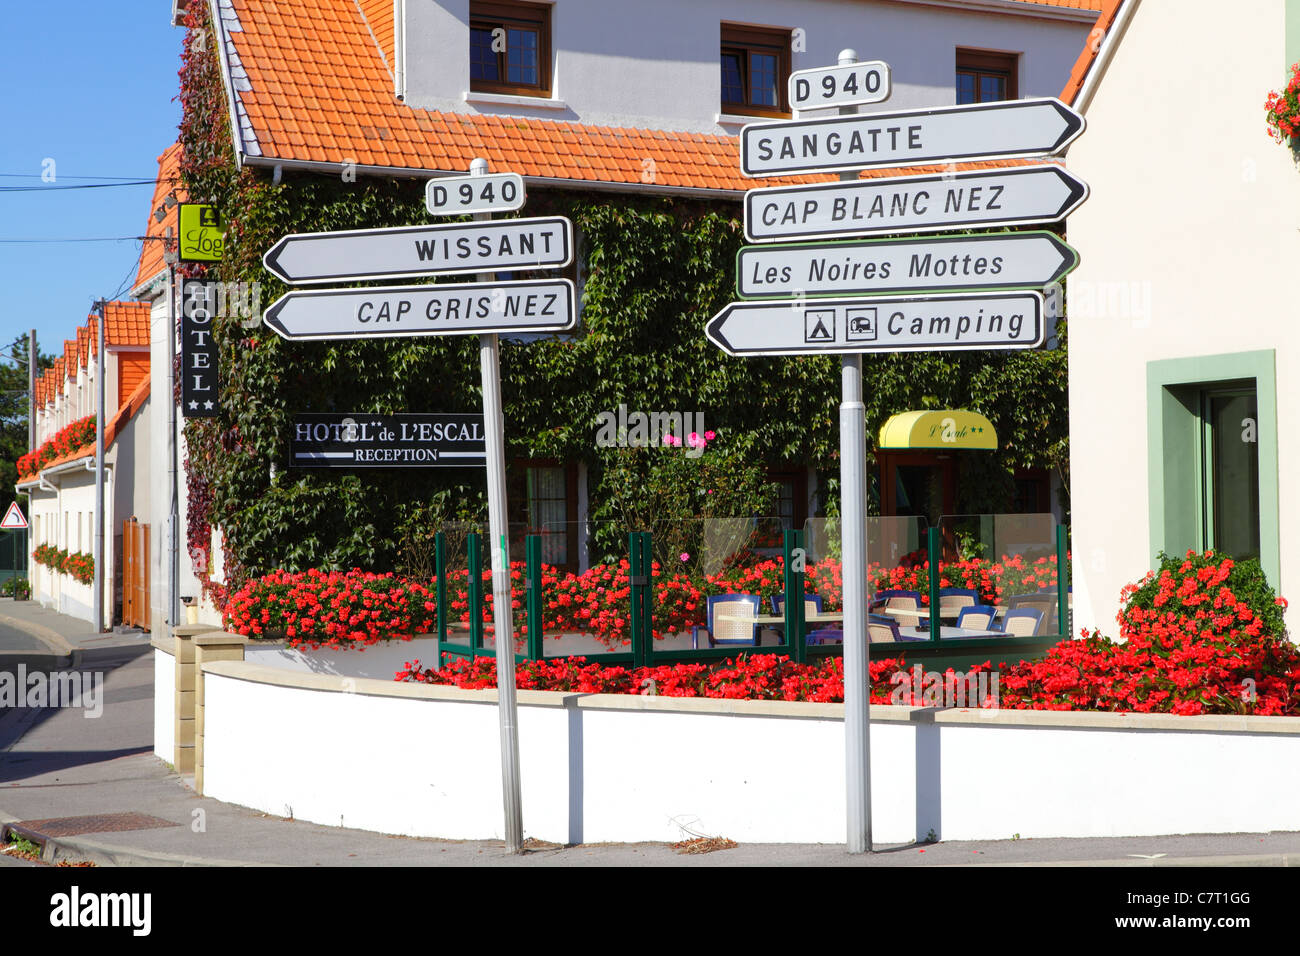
977	617
1023	622
1044	601
812	604
882	629
952	600
886	601
729	632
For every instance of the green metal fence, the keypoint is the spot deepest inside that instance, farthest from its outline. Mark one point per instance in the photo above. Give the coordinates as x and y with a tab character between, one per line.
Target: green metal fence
936	652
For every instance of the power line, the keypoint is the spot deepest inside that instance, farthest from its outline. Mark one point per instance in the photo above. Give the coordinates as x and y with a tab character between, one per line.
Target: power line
42	189
88	239
61	176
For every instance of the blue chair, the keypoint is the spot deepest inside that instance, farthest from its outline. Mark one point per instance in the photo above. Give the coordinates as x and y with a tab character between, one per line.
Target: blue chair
883	629
883	601
811	602
977	617
1023	621
1044	601
729	632
952	600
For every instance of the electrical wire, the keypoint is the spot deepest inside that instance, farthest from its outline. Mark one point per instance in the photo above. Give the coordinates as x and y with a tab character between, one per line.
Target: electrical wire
52	188
42	176
85	239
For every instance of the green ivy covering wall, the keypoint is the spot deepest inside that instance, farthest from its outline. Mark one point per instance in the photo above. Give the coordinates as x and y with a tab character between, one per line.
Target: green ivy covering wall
655	270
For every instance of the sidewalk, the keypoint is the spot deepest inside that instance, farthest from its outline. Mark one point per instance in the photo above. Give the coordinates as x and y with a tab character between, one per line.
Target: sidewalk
28	629
57	764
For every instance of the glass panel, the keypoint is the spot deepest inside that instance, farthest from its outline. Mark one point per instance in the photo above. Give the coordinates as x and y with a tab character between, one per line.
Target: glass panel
763	80
733	84
548	507
965	88
1009	560
896	562
918	491
992	88
482	61
521	57
1235	474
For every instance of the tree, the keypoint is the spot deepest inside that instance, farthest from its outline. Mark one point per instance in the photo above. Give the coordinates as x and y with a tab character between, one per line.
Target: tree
13	407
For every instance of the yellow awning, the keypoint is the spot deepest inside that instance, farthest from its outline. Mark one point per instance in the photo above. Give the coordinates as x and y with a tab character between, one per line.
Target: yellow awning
944	428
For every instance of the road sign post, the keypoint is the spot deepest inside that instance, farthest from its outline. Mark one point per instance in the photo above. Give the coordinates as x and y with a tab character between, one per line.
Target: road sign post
1018	196
853	580
906	294
457	195
1001	130
1015	260
953	321
14	520
502	602
851	84
474	308
406	251
481	308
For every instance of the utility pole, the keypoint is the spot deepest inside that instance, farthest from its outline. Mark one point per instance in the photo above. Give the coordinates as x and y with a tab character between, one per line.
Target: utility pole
31	390
171	543
97	614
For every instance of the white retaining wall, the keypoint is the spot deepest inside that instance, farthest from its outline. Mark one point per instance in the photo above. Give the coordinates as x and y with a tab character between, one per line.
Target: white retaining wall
424	761
164	705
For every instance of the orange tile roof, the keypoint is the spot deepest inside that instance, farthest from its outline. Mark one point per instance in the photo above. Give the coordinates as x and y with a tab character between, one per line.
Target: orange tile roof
379	17
126	323
319	89
1070	4
151	250
134	402
1108	11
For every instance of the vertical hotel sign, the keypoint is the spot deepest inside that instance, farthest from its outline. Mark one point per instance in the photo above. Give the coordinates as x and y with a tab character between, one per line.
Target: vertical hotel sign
198	351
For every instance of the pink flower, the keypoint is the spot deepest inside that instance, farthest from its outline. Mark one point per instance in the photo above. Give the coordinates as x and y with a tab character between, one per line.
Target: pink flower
685	556
709	436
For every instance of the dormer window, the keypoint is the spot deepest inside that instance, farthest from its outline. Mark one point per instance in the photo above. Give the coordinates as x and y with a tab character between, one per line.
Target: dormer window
510	48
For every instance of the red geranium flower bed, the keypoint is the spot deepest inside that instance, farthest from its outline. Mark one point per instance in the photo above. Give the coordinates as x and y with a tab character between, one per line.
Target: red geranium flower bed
68	439
747	677
1202	635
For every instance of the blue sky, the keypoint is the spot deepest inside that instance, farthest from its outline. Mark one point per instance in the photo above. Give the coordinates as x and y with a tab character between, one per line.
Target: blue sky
91	88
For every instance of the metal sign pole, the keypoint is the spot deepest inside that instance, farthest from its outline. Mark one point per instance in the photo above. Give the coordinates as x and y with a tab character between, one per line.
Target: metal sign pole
507	707
853	519
101	419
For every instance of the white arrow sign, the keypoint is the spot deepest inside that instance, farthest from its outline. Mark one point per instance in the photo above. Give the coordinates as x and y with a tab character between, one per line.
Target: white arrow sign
1020	196
850	85
973	320
455	195
407	251
1011	261
541	305
1004	129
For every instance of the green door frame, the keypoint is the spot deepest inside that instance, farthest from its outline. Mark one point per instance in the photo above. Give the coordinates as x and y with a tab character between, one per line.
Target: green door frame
1175	482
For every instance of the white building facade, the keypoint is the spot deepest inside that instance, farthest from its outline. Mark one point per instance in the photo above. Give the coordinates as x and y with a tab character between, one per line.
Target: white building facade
1183	395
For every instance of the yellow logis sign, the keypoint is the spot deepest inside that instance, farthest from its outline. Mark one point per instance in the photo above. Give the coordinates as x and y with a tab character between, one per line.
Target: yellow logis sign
942	428
201	235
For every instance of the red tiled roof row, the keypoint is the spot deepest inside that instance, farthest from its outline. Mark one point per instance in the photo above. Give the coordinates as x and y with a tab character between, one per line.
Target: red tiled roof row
319	89
125	323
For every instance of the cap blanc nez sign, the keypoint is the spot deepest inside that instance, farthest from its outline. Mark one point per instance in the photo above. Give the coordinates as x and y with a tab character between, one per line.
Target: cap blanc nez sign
358	440
198	351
